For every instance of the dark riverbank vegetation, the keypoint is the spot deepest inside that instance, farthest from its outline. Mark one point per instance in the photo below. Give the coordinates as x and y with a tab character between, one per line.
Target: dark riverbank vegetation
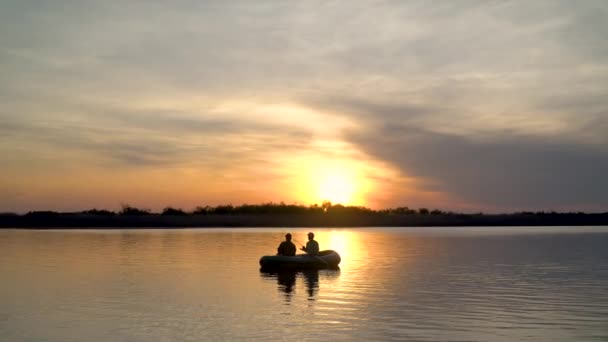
291	215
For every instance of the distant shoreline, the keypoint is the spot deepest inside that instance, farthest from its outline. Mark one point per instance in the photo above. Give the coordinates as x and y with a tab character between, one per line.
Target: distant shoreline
84	221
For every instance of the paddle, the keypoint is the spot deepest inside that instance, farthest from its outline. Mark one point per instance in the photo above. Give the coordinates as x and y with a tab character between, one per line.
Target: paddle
321	259
316	256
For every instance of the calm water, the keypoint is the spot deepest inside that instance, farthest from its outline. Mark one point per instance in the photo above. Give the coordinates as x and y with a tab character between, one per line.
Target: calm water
433	284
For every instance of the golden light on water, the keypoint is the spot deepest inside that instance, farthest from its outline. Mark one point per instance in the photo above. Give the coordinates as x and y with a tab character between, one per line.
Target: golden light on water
347	243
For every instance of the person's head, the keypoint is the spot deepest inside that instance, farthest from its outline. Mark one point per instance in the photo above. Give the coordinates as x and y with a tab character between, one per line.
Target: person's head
288	237
311	236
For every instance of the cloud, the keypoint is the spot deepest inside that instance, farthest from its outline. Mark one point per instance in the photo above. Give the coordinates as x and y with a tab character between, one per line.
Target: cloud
496	170
509	97
157	138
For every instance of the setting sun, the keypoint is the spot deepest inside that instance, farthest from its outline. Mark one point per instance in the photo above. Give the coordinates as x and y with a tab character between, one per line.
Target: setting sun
337	187
340	182
343	181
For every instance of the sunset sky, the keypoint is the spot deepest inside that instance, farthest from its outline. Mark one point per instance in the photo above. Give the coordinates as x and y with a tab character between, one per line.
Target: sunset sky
493	106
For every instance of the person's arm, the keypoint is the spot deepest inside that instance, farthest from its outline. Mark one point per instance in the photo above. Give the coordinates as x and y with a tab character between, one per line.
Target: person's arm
280	249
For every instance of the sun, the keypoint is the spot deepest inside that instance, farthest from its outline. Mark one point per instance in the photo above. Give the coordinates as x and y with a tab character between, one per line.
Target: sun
336	186
317	179
340	182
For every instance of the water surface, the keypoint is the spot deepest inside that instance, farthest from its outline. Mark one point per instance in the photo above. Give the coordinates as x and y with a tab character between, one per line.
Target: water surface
415	284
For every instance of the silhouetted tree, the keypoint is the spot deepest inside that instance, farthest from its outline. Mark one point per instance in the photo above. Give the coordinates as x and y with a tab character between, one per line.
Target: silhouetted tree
101	212
223	209
202	210
128	210
168	211
43	213
315	208
399	211
326	205
336	209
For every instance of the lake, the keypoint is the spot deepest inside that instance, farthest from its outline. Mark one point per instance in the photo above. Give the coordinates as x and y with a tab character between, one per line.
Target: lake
413	284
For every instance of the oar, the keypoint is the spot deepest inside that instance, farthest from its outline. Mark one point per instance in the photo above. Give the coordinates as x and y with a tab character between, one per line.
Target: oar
321	259
316	256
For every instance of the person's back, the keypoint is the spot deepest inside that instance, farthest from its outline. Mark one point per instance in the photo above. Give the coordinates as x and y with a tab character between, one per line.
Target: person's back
287	248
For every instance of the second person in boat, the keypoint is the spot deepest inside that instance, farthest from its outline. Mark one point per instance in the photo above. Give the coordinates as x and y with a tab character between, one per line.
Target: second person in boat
312	246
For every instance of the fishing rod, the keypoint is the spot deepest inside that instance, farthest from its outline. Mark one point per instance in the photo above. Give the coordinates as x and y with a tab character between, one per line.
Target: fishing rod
303	248
298	242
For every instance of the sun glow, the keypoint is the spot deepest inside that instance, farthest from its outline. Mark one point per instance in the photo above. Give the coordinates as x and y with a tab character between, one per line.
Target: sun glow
340	182
336	186
334	172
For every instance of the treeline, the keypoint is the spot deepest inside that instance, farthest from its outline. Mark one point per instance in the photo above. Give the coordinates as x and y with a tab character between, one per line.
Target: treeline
291	215
282	208
225	209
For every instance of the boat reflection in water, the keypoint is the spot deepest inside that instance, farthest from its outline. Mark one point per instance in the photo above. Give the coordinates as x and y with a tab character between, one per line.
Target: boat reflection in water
286	280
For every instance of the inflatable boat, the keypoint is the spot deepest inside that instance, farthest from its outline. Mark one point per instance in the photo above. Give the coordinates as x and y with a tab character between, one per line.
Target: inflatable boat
326	259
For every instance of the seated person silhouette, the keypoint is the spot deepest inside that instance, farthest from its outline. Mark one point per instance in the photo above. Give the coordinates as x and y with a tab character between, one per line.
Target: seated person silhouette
287	248
312	246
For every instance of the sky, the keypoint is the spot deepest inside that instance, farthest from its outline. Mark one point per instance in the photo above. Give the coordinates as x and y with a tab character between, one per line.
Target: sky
493	106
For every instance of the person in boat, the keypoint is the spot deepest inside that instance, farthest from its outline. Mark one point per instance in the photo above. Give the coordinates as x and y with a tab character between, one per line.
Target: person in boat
287	248
312	246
